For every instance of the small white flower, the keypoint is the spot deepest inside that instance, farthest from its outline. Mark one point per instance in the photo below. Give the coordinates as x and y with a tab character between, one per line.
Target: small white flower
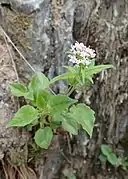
84	54
73	59
88	62
91	52
78	46
80	54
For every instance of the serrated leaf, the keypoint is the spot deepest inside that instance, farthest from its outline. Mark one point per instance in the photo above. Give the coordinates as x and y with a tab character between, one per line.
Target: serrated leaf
57	118
54	124
46	95
38	83
71	69
70	125
65	76
86	78
24	116
59	103
40	102
18	89
43	137
42	98
67	122
96	69
29	126
29	95
84	116
112	158
102	158
106	150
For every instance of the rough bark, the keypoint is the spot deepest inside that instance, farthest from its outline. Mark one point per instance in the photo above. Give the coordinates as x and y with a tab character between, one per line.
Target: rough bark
43	30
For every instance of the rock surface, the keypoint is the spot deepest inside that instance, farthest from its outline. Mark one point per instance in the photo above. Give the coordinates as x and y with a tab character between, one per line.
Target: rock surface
9	138
44	29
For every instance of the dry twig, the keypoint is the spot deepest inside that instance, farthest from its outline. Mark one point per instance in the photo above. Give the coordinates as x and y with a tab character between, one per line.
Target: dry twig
5	34
13	63
17	49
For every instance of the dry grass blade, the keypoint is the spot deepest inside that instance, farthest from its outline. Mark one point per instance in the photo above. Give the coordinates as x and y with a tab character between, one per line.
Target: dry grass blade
5	34
4	169
17	172
13	63
17	49
27	172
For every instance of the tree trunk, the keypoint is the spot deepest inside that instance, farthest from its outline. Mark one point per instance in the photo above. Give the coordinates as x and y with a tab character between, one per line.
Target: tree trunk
43	30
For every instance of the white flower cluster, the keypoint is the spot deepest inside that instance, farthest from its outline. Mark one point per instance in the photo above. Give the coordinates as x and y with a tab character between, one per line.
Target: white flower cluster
80	54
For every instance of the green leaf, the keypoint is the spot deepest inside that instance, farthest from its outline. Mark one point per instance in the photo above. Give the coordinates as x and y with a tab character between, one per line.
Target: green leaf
96	69
66	121
40	102
90	79
70	125
24	116
43	137
29	126
38	83
71	69
59	103
64	76
112	158
124	163
54	124
56	121
86	78
106	150
67	173
18	89
46	95
29	95
84	116
102	158
92	64
42	98
119	161
57	118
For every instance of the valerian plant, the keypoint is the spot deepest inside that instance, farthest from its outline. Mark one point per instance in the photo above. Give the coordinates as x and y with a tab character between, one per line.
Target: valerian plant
107	154
50	111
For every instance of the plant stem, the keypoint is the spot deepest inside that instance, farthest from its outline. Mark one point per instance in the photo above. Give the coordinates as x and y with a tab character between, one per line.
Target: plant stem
41	122
42	117
67	91
72	89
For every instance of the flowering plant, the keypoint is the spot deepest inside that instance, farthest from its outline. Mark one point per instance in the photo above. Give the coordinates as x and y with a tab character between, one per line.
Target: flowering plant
81	54
49	111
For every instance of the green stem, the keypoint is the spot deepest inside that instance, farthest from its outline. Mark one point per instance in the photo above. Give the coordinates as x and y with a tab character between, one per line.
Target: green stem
67	91
42	117
72	89
81	67
41	123
80	72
